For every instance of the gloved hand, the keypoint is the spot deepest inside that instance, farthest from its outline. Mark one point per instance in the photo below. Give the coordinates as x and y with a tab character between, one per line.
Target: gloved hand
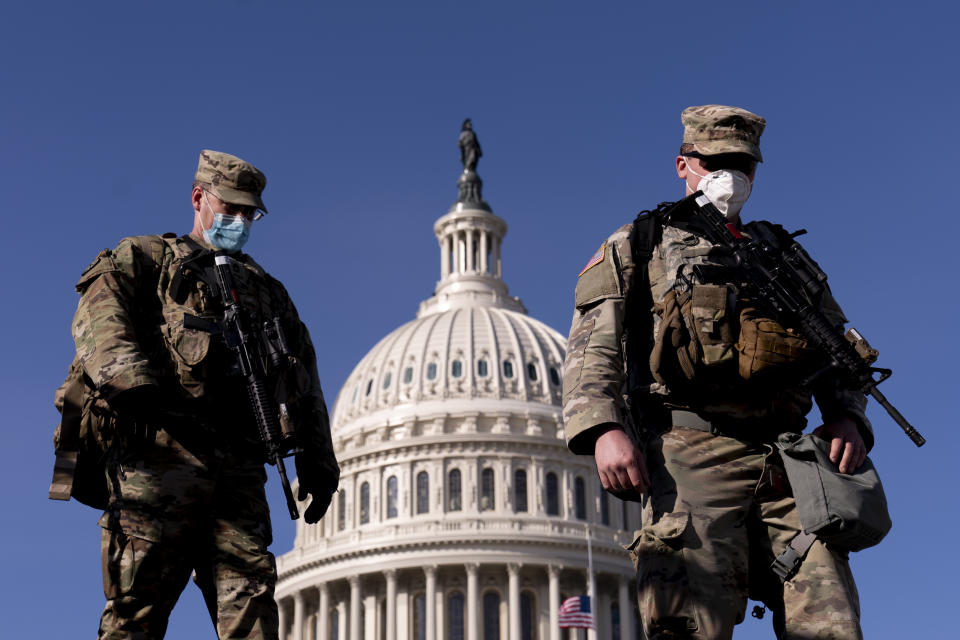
319	479
139	404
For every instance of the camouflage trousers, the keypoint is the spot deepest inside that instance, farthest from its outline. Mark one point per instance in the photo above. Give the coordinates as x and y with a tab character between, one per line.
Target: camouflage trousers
718	513
172	513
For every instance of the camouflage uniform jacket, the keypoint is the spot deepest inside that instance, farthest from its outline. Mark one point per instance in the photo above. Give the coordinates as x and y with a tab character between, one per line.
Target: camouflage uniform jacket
596	371
129	331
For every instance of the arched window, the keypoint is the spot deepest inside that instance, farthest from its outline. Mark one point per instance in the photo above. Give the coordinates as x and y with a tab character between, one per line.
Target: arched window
604	506
615	620
386	380
519	491
369	386
365	503
527	616
423	492
431	371
491	615
487	493
453	490
455	624
553	495
532	371
341	509
419	617
554	377
482	368
580	498
408	375
392	497
456	369
507	369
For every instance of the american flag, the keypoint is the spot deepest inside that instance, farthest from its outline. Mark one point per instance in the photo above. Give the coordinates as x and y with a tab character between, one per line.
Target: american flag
575	613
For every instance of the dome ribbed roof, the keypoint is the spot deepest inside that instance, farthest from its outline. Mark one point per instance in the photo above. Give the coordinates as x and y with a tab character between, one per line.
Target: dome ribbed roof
467	353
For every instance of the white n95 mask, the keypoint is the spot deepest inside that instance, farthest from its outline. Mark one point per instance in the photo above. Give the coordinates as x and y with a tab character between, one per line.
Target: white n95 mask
727	189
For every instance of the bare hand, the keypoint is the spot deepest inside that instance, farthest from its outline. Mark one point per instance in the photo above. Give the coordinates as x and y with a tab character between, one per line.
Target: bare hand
620	464
846	444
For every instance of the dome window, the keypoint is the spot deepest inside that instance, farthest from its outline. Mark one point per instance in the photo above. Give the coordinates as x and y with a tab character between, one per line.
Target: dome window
355	390
456	369
408	375
369	386
553	497
432	371
507	369
392	497
365	503
453	490
386	380
554	376
580	498
486	490
532	371
520	491
423	492
482	368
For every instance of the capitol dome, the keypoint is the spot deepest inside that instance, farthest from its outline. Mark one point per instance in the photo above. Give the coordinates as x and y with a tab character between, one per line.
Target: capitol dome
461	515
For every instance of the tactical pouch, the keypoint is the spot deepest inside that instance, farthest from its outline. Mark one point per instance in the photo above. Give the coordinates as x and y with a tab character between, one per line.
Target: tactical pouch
847	511
696	334
767	350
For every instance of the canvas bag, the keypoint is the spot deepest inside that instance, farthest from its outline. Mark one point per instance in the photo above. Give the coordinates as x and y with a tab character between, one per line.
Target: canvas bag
847	511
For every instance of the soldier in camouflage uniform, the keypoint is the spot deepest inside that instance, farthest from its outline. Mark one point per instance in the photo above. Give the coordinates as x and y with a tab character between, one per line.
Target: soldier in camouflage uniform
185	464
689	436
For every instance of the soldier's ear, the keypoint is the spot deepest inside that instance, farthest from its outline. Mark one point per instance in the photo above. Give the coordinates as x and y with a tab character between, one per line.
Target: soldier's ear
196	197
681	167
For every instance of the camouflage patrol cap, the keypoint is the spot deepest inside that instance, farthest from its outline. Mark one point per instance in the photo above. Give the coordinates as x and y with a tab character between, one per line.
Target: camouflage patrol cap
231	179
713	129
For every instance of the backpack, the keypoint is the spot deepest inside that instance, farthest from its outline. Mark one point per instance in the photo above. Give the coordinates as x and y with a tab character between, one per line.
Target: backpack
86	434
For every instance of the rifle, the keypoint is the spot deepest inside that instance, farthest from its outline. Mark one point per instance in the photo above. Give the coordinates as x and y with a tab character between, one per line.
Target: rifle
249	348
789	282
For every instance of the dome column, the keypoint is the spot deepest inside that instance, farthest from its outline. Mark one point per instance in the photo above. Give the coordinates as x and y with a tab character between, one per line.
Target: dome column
391	626
554	572
513	607
298	615
282	615
341	621
626	611
472	600
484	247
323	613
354	607
431	601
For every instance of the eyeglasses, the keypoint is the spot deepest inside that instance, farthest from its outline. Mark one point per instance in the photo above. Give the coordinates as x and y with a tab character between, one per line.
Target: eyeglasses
733	161
249	212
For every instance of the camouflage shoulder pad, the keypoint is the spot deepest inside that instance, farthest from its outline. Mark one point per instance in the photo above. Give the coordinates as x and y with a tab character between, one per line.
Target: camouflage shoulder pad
152	247
600	278
103	263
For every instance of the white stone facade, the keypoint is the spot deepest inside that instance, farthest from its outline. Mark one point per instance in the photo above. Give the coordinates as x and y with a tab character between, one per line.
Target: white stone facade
461	515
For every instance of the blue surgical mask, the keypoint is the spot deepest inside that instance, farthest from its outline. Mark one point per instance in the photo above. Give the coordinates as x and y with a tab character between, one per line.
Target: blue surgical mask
228	233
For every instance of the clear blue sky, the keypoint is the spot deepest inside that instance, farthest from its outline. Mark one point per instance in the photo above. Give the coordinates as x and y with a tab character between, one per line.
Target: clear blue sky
353	113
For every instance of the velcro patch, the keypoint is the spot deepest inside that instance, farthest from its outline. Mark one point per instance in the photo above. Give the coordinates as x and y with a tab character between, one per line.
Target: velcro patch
595	260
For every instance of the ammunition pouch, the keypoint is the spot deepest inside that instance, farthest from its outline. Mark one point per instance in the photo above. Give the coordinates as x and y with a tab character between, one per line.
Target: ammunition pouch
768	351
696	335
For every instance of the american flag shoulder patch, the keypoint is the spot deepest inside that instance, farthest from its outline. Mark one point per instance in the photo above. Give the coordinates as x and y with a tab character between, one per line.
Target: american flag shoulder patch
595	260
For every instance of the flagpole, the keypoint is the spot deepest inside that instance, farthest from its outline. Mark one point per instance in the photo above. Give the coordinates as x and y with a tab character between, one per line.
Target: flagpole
591	587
